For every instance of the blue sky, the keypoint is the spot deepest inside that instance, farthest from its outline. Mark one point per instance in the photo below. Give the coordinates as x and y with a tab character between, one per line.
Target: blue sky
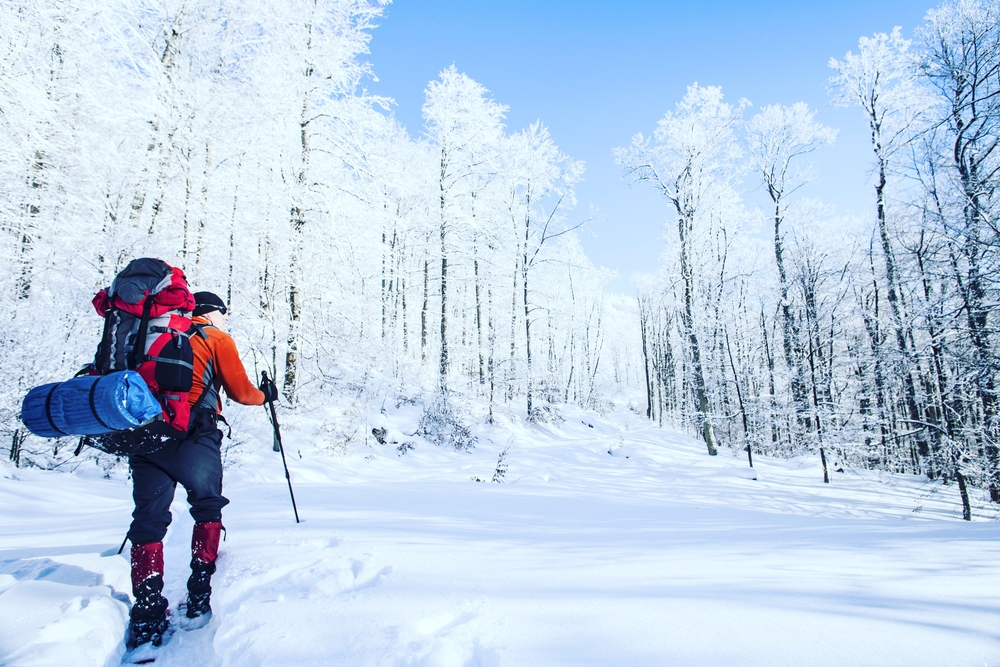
598	72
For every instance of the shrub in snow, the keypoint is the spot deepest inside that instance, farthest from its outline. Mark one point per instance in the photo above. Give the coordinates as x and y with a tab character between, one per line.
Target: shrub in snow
545	413
440	425
601	405
501	469
502	466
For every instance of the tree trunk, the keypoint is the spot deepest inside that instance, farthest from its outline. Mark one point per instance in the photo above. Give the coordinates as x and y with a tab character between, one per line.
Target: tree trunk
297	219
527	313
443	365
643	325
199	252
914	410
33	207
385	277
423	312
513	334
668	376
406	329
161	177
491	338
772	416
819	424
185	224
687	318
977	310
789	330
232	234
294	309
963	490
874	330
739	396
936	384
479	314
17	440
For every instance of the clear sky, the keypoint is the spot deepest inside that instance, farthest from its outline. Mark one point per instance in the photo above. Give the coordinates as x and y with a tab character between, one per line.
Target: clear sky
598	72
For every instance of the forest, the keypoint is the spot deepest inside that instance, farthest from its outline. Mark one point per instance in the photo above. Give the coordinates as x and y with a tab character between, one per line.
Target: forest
441	265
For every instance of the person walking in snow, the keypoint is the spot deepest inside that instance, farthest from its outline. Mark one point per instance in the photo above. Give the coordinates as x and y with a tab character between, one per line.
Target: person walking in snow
195	461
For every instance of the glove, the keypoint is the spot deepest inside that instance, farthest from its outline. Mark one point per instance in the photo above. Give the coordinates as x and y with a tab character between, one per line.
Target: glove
269	389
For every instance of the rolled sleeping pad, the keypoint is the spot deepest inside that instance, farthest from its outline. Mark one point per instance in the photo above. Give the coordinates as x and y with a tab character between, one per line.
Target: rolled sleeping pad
89	405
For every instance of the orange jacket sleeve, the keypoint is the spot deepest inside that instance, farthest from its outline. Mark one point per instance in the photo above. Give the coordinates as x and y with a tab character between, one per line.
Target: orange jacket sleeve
234	378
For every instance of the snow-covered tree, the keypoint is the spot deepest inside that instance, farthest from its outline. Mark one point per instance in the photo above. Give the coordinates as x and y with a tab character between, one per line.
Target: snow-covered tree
779	138
690	160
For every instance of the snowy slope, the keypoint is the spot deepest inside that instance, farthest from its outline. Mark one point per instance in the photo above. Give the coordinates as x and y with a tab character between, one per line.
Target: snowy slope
654	554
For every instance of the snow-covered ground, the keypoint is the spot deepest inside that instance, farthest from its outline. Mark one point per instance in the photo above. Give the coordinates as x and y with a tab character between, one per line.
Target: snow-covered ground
654	554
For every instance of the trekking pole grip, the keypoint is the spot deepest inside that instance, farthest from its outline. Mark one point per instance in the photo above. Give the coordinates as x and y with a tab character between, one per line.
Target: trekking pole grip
274	418
263	381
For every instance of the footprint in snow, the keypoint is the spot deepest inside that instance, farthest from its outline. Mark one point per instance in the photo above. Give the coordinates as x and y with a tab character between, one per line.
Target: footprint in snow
442	623
363	581
359	576
450	639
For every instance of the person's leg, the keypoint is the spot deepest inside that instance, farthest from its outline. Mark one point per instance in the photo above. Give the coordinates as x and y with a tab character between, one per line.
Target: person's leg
204	551
152	492
202	477
148	616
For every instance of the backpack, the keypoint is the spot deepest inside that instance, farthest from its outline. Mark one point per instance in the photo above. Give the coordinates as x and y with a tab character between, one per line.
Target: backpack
147	329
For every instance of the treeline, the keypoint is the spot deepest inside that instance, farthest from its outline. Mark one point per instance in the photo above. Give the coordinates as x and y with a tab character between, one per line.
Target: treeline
792	331
237	141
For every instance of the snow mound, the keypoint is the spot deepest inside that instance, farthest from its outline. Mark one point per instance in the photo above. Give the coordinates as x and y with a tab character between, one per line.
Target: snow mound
63	610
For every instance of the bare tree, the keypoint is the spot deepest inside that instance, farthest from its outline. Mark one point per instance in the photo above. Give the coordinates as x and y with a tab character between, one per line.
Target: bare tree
543	183
466	127
691	156
961	61
881	80
779	138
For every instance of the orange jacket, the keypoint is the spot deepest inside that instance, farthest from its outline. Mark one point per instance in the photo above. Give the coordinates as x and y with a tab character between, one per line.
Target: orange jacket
217	364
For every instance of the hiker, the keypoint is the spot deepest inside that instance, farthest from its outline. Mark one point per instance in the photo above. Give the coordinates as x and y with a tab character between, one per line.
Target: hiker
195	461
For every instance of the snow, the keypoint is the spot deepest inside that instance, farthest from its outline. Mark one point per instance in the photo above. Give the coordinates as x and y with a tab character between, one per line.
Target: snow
611	542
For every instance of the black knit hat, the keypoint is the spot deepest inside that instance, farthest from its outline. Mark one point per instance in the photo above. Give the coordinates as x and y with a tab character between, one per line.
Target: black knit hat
206	302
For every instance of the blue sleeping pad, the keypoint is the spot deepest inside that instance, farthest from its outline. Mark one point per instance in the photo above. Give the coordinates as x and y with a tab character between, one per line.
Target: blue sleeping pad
89	405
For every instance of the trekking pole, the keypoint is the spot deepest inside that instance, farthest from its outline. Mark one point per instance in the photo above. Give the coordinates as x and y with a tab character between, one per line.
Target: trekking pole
278	447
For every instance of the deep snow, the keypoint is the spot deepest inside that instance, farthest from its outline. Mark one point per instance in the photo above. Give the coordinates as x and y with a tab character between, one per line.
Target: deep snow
654	554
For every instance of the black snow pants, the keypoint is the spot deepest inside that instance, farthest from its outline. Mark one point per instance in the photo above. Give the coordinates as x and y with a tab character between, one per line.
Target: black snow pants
196	462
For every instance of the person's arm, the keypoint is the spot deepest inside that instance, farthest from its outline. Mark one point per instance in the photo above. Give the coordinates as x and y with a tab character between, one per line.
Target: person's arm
234	378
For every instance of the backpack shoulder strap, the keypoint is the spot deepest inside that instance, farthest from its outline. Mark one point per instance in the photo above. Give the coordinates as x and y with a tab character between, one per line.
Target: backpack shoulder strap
104	347
209	397
138	354
200	329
